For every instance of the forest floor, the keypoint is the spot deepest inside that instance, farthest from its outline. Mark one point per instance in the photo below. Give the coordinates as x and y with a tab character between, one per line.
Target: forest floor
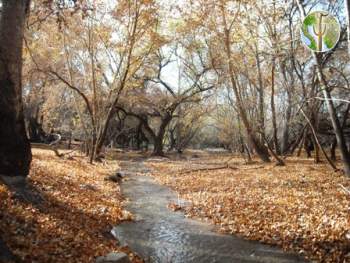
72	223
301	207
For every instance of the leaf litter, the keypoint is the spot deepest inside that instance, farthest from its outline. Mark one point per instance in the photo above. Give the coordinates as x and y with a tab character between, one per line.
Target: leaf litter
74	221
300	207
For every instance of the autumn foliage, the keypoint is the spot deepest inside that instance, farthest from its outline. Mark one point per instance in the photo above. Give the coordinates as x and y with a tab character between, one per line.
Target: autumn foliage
73	222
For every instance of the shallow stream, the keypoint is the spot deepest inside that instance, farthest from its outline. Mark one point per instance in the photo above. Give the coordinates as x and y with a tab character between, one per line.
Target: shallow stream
161	235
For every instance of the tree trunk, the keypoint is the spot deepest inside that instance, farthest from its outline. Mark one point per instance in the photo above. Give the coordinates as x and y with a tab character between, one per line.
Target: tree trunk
285	133
333	148
317	149
158	146
302	143
92	148
261	95
334	143
249	156
273	109
308	145
15	152
314	127
172	140
279	160
297	141
347	13
158	139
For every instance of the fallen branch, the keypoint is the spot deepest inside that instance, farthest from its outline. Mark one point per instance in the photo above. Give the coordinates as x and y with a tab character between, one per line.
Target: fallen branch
47	147
50	146
210	169
216	163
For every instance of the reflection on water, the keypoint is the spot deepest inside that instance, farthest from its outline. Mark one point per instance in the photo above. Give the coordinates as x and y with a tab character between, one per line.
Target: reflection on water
160	235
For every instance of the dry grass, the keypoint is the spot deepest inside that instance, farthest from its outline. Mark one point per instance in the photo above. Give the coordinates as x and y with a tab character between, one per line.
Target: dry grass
73	222
300	207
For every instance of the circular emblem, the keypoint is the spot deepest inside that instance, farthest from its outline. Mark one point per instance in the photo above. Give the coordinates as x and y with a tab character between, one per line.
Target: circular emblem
320	31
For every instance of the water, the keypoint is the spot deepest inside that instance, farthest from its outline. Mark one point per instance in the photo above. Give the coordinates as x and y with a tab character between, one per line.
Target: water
161	235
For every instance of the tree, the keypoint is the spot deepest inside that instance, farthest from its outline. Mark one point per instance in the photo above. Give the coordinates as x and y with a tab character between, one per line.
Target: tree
15	152
344	152
347	13
222	19
158	101
96	60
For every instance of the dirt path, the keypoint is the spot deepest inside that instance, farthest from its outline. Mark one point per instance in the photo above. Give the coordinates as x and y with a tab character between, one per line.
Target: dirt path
160	235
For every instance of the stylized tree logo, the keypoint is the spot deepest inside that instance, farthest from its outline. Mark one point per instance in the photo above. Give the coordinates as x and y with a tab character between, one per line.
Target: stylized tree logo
321	30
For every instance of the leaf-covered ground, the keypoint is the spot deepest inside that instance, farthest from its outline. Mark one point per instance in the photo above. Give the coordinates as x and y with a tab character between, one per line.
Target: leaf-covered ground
73	223
300	207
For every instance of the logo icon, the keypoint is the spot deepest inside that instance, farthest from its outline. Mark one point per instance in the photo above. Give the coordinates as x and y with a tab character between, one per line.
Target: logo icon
320	31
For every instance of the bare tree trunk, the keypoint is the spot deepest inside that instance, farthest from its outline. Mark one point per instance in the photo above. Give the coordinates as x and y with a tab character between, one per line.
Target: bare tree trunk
158	146
261	95
172	139
302	143
279	160
347	13
333	148
273	109
92	149
158	139
285	133
249	156
317	149
308	145
314	127
334	143
15	152
298	140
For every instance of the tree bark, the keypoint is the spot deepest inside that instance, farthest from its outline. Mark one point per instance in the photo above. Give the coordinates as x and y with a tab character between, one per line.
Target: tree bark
158	146
285	132
15	152
297	141
314	127
347	13
261	94
158	138
273	108
302	143
334	143
279	160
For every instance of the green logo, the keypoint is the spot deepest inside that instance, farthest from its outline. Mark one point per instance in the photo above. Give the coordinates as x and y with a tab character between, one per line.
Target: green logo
320	31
